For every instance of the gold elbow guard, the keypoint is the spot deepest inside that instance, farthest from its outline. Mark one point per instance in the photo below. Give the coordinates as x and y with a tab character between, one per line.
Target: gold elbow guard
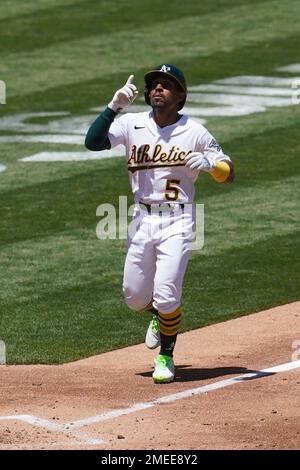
221	172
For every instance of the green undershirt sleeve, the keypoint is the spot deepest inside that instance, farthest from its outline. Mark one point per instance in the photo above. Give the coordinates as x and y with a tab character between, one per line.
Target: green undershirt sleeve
96	137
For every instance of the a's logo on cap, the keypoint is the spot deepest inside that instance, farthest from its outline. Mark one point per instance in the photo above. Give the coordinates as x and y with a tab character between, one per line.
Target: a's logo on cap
165	68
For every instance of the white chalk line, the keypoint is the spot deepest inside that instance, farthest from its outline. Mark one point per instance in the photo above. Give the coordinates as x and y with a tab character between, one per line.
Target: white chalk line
69	428
81	438
185	394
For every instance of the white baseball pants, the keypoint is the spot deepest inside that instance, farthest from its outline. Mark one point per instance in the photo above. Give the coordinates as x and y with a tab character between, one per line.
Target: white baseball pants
157	257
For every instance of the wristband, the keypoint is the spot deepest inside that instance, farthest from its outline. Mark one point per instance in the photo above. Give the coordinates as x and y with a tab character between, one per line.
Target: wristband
221	172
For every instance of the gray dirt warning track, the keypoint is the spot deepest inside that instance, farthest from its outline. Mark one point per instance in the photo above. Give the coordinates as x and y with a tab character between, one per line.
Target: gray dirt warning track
237	387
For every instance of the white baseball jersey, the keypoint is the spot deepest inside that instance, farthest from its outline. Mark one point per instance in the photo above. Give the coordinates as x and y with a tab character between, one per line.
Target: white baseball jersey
161	151
157	258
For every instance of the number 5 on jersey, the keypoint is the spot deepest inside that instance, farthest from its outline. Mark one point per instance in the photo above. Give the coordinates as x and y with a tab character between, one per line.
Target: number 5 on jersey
172	189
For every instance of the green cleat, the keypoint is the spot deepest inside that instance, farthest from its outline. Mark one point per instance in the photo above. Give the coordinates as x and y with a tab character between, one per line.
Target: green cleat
153	336
164	370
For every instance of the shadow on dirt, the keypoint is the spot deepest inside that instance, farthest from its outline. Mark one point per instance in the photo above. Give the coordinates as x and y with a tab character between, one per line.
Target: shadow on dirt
186	373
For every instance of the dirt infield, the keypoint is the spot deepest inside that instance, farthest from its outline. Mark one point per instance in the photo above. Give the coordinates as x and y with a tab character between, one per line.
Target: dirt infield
110	402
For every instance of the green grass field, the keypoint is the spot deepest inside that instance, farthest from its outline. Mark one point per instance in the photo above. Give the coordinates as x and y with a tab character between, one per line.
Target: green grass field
61	287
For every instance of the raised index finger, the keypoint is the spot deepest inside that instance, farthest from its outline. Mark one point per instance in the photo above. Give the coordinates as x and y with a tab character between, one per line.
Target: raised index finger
130	80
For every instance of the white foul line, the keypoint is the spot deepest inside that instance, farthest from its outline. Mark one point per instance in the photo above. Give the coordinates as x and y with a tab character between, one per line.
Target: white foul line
187	393
69	427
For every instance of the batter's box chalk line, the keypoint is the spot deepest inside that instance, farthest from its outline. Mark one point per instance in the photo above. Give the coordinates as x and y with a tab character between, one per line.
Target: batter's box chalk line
71	429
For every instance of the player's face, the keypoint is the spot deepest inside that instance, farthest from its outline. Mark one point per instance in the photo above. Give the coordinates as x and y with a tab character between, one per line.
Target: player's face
165	93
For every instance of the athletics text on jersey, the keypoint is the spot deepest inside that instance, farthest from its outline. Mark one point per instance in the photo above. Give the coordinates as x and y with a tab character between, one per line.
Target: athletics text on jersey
156	156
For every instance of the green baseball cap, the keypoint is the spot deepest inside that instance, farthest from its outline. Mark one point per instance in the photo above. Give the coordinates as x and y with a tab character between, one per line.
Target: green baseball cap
169	70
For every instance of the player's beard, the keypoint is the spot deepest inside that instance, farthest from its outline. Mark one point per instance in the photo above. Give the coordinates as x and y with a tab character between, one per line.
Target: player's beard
159	106
158	103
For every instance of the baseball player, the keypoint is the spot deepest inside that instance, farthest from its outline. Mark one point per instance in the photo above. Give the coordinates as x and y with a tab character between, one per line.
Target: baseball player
165	152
